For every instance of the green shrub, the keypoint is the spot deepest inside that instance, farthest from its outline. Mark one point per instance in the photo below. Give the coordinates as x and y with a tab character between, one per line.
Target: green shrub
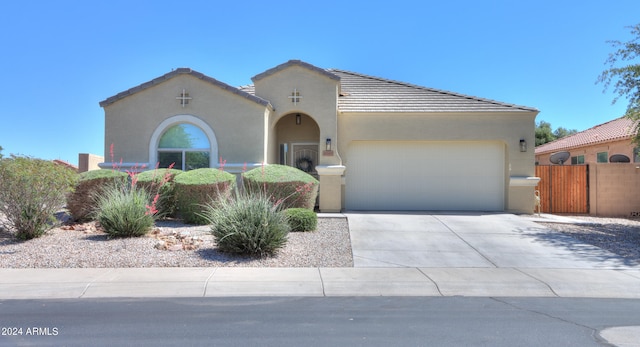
284	185
82	203
161	181
249	225
301	219
123	210
31	192
197	188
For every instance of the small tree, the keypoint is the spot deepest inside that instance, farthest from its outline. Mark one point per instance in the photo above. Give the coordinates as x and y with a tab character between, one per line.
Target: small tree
31	192
545	134
563	132
625	76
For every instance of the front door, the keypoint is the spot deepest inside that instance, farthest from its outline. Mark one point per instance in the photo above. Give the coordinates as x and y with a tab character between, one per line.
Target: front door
304	156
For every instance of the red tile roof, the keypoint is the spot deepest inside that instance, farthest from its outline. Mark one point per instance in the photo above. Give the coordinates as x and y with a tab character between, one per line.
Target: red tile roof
66	164
617	129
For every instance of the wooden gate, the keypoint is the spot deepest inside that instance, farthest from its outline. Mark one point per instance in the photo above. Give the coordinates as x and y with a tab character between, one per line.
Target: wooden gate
564	188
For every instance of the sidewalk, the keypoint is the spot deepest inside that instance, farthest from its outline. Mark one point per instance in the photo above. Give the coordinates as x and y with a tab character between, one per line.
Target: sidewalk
221	282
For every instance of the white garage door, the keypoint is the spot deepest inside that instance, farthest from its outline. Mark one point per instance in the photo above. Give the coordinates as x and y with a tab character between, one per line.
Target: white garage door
425	175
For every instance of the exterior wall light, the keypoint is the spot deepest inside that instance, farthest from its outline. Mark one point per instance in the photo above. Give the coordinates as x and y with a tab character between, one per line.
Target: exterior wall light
523	145
328	144
298	119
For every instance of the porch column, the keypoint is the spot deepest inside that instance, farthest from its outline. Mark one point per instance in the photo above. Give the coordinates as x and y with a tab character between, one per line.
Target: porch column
330	187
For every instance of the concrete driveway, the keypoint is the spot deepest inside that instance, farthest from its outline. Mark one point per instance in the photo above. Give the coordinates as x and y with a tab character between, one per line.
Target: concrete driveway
469	240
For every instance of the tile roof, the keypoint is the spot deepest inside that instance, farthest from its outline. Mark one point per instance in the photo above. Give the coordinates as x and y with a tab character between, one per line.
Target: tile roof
359	93
182	71
66	164
617	129
300	63
362	93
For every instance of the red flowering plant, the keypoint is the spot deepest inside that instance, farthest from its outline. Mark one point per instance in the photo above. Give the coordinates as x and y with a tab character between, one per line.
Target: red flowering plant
125	208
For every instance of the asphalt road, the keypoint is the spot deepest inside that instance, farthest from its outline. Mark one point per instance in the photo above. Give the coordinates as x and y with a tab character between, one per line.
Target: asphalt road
325	321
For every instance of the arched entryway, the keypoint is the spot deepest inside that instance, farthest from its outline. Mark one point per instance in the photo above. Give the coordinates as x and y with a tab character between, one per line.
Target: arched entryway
298	139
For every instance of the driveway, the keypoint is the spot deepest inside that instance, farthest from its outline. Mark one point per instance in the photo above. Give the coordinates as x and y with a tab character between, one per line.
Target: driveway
469	240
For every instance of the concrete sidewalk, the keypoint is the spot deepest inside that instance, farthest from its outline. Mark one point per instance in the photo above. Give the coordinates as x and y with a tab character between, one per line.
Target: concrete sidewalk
220	282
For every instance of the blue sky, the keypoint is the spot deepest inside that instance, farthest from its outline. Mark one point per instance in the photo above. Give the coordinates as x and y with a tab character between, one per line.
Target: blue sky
61	58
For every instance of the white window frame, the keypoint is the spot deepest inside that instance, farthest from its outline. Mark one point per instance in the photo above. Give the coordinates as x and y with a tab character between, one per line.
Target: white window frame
182	119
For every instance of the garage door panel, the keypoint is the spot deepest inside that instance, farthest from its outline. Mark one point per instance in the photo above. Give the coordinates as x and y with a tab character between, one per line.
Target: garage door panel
423	175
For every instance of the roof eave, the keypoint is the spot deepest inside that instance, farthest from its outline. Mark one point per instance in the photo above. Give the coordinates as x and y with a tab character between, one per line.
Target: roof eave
183	71
295	62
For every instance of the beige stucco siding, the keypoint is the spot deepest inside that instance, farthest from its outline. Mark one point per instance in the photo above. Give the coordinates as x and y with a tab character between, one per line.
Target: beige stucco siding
507	128
238	123
319	101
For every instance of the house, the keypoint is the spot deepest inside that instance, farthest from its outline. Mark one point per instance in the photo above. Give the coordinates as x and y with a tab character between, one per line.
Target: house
595	145
374	143
66	164
89	162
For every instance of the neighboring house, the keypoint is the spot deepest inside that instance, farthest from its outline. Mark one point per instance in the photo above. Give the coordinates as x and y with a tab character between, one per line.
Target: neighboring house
375	144
89	162
595	145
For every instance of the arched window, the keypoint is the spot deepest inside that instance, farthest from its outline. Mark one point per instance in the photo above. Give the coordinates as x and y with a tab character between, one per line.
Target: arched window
186	146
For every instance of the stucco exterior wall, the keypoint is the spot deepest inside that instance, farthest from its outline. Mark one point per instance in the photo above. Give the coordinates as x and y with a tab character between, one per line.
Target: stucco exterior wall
319	101
238	123
590	152
88	162
288	131
506	127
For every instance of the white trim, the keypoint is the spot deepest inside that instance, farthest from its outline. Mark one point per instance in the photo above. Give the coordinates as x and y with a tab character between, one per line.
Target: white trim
330	170
523	181
180	119
126	166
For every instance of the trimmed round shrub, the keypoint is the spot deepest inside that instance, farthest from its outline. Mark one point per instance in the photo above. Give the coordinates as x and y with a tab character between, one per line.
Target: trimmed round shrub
248	225
124	211
32	191
301	219
82	202
160	181
284	185
198	188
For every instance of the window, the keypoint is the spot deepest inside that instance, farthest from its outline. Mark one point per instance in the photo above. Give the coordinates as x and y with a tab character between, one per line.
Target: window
184	145
636	155
578	159
603	157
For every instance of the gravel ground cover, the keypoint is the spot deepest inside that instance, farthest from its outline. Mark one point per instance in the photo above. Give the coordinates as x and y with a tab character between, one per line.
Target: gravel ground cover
617	235
174	244
171	244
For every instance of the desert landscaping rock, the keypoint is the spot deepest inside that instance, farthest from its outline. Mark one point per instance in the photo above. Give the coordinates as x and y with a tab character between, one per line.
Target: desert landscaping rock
171	244
617	235
174	244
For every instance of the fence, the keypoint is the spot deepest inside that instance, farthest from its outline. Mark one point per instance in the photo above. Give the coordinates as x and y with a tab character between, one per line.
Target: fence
564	188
